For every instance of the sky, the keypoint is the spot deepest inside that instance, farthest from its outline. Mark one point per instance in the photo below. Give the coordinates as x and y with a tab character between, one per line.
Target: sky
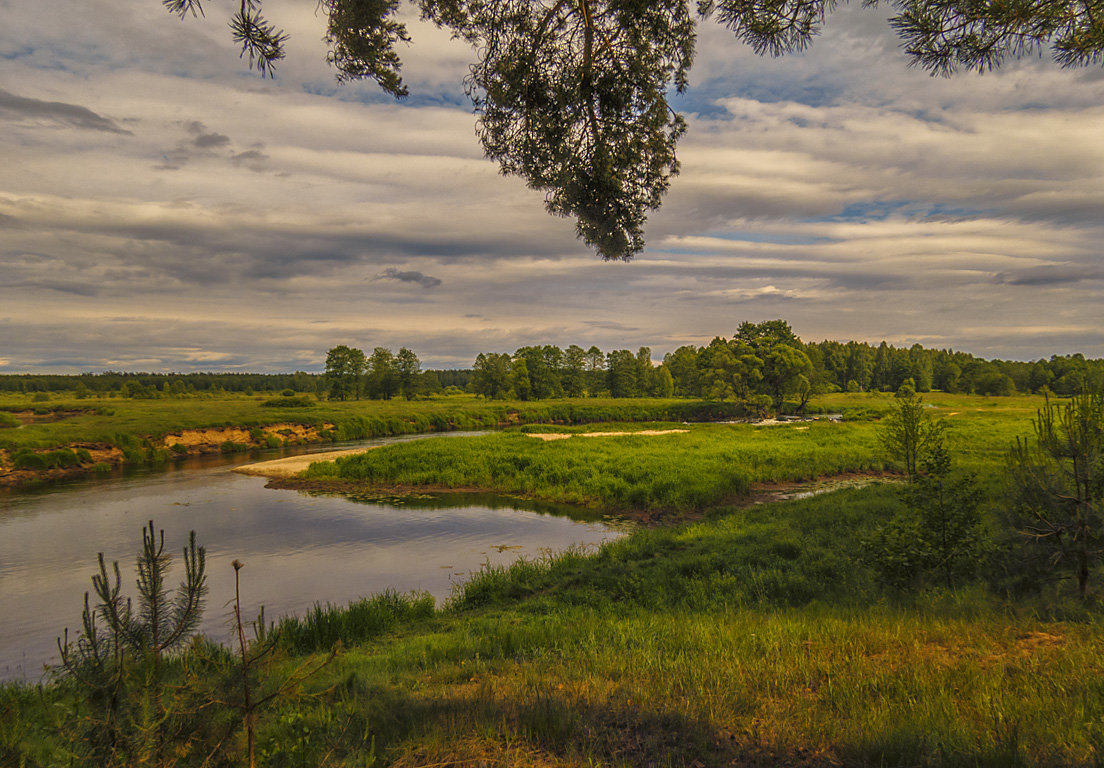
164	208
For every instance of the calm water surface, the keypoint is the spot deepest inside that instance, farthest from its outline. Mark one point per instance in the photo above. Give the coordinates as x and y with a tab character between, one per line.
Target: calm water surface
298	549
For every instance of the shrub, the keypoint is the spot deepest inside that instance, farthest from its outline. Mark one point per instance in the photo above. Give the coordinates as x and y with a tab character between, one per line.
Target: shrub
288	402
26	459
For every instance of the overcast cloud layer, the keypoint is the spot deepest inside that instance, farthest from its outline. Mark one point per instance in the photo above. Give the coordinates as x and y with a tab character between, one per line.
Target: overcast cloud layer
163	208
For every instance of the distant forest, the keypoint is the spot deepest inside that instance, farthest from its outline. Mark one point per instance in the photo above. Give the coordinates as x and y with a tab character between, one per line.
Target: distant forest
764	359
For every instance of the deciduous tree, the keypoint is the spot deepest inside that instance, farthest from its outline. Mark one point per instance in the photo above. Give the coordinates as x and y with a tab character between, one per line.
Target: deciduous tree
408	368
344	368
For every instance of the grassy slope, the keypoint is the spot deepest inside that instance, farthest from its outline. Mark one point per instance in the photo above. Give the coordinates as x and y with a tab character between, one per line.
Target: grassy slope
751	637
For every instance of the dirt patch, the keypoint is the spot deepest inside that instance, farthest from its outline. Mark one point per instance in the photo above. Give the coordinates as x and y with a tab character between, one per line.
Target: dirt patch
211	439
547	436
765	493
216	436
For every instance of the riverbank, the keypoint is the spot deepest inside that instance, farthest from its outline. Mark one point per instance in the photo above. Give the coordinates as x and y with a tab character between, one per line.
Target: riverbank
56	441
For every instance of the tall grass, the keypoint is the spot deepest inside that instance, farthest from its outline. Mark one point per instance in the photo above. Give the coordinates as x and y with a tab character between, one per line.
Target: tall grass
686	472
324	626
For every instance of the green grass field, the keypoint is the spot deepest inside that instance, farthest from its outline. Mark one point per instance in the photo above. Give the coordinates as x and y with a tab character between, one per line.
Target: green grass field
751	636
138	427
687	471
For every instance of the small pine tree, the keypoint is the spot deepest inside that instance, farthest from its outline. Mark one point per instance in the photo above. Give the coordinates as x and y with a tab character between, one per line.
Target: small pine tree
117	662
1057	489
938	536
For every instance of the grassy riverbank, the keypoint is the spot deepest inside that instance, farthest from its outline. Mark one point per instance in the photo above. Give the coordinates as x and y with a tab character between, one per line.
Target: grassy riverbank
687	471
754	636
66	438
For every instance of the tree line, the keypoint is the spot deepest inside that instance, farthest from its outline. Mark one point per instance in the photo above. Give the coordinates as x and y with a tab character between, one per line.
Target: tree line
762	363
766	364
350	374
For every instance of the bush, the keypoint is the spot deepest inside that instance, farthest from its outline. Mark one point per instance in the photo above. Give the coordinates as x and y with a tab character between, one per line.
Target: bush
7	420
26	459
288	402
60	458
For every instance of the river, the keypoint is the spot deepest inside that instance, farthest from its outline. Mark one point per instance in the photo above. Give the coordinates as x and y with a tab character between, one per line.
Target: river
298	548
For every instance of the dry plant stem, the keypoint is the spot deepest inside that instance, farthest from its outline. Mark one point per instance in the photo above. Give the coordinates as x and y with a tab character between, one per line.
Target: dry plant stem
246	695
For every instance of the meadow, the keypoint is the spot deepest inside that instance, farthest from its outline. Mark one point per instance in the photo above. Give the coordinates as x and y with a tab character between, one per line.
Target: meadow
134	430
689	470
748	635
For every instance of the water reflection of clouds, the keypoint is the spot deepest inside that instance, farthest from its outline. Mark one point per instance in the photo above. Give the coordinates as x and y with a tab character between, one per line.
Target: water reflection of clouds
298	549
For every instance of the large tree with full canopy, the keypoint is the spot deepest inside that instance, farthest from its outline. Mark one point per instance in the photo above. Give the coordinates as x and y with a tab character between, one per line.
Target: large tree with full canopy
571	95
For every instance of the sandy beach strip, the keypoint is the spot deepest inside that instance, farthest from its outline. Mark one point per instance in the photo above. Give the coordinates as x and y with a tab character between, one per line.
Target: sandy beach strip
546	436
291	466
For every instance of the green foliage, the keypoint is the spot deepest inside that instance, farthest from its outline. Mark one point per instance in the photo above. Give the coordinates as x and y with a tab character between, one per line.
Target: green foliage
909	431
324	626
288	402
572	98
117	663
344	367
8	421
408	371
60	458
939	539
1057	488
362	39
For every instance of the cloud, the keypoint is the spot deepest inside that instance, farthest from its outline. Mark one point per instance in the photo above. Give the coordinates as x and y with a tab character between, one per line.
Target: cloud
57	113
210	141
426	281
253	159
834	188
1050	275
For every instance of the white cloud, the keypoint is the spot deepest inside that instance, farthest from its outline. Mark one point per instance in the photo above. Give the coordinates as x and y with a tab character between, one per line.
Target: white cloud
245	223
